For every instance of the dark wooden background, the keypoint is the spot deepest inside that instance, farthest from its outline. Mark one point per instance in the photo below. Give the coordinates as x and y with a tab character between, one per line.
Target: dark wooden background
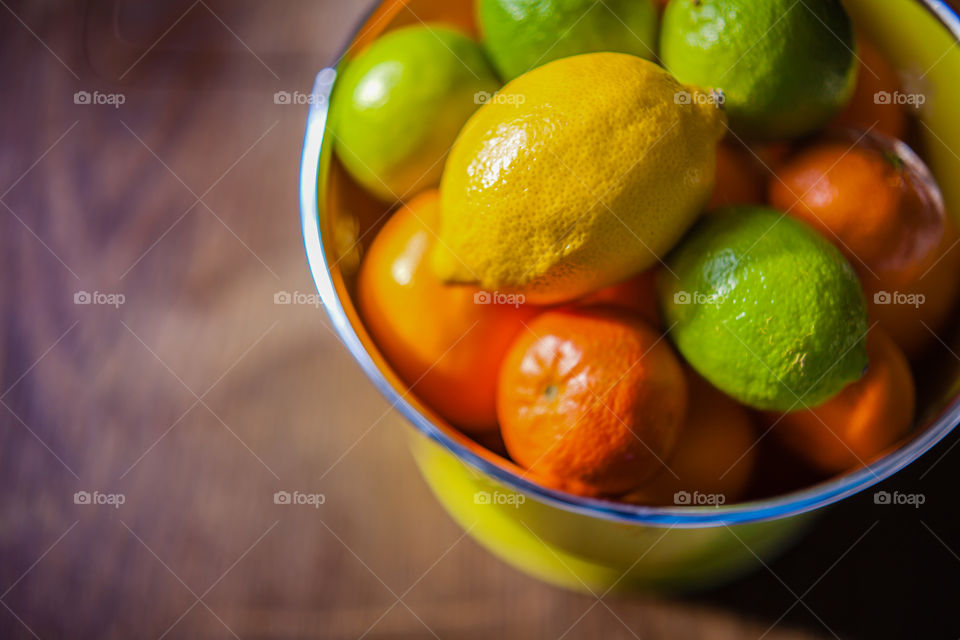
198	397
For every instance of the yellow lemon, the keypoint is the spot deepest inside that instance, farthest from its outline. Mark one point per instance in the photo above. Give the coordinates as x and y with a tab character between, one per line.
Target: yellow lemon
575	176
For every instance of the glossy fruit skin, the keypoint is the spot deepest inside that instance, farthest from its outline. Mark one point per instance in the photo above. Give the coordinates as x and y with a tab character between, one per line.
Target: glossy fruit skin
876	202
520	35
714	456
555	192
591	400
916	327
865	111
765	309
436	337
851	429
785	68
400	104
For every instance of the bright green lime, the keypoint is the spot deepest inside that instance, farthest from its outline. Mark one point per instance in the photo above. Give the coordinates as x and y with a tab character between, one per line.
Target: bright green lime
765	309
522	34
400	104
785	66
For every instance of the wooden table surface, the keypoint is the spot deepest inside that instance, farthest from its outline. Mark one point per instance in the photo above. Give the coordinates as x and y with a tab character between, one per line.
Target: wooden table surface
194	397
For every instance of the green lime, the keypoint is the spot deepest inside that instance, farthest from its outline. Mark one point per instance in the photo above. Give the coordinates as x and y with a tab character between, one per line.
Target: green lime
522	34
400	104
785	66
765	309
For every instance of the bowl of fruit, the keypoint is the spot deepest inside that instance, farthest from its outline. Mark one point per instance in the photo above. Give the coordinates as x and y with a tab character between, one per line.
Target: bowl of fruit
651	283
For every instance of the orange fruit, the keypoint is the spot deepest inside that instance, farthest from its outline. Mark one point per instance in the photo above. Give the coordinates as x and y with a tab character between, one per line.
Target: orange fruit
909	313
868	108
446	342
714	456
637	295
591	400
738	181
770	155
876	202
867	417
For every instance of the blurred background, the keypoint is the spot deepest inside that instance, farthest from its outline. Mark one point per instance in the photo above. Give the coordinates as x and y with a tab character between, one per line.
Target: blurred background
158	363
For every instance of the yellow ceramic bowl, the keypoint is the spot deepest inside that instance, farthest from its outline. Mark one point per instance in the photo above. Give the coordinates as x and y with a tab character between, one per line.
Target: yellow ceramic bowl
589	544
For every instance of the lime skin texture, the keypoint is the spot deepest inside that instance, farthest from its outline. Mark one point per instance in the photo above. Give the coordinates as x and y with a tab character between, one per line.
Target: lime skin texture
400	104
785	67
765	309
522	34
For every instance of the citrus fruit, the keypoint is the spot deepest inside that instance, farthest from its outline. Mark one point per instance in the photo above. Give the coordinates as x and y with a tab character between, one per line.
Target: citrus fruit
637	295
714	455
765	309
446	342
785	67
591	400
872	105
556	190
738	178
915	314
770	155
876	201
520	35
401	102
855	426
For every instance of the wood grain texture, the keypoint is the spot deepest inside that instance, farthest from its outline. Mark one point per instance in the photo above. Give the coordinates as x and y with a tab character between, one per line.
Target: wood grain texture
198	397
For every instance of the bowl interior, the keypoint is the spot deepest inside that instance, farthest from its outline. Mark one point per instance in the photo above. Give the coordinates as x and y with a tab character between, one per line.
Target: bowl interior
340	219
